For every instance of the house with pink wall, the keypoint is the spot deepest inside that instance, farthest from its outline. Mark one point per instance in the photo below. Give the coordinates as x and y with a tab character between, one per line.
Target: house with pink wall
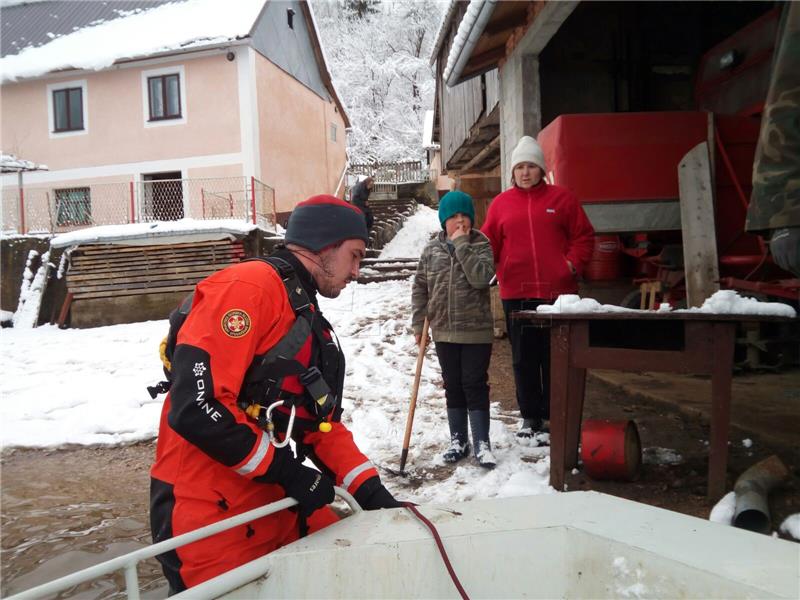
147	111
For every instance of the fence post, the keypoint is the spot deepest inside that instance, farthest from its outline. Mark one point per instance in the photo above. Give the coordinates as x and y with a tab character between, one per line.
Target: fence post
253	197
274	211
21	203
203	203
133	203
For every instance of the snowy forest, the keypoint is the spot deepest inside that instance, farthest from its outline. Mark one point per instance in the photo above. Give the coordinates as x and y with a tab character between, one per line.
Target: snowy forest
379	52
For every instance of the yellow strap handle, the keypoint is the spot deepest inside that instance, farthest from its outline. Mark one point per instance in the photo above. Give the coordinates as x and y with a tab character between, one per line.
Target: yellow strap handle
162	351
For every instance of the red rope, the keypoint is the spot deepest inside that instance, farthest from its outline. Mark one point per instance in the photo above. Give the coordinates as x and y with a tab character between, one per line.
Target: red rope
440	545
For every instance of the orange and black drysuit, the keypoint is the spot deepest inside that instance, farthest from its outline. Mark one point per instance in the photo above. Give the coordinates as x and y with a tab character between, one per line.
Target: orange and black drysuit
213	461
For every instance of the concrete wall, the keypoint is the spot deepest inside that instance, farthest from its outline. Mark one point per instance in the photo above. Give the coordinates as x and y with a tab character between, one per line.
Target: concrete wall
116	127
298	157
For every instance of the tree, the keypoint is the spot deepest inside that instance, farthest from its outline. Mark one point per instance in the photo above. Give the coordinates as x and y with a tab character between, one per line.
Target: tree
378	55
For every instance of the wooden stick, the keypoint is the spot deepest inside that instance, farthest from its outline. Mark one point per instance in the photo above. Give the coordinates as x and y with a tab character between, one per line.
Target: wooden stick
423	342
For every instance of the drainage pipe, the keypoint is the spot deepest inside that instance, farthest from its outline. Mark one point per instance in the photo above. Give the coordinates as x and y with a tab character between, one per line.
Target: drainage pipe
752	489
469	31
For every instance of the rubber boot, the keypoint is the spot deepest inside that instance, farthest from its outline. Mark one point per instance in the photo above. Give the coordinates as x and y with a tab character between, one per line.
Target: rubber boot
479	423
459	439
527	428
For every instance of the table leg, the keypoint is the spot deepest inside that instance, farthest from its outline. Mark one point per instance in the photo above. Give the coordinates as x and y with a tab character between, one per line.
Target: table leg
721	375
559	386
576	385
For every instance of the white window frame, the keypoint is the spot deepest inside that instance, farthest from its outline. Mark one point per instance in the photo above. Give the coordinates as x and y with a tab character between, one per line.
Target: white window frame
51	117
173	70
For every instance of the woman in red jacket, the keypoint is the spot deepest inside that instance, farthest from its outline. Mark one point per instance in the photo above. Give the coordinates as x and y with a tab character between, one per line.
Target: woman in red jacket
542	240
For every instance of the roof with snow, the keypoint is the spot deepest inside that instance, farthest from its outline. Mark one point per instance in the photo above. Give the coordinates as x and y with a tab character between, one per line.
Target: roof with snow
160	28
42	36
30	24
11	164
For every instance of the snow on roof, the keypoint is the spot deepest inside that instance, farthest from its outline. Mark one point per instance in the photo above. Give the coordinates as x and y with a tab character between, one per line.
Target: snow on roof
427	132
159	232
444	27
173	26
465	29
11	164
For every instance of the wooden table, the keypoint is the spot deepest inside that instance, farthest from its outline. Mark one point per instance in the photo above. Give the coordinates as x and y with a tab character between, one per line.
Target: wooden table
674	342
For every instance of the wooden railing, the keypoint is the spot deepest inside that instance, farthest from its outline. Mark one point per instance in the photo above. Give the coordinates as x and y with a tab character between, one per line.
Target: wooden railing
395	172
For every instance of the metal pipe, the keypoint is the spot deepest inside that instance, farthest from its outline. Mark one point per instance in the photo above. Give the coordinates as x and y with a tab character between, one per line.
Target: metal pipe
129	561
468	40
752	489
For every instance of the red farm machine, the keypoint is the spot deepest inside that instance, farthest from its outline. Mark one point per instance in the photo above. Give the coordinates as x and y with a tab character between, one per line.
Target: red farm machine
624	169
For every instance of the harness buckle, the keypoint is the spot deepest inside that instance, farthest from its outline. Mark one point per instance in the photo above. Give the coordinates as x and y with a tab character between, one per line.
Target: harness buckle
323	401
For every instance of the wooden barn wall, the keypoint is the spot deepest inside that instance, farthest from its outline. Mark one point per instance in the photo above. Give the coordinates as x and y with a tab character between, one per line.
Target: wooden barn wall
492	84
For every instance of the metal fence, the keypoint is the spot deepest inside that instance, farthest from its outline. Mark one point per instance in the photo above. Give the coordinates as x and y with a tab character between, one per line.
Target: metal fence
41	209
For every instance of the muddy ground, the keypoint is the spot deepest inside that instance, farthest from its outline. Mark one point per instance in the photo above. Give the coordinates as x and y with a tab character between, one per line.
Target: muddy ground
49	528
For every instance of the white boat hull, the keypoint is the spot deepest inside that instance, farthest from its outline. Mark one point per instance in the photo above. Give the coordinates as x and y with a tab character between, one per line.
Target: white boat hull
573	545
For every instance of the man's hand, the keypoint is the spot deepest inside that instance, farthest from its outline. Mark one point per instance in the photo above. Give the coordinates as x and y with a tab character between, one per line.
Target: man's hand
418	338
310	488
372	495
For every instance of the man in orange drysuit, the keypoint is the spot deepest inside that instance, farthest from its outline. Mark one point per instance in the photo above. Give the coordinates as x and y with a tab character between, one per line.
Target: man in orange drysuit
214	459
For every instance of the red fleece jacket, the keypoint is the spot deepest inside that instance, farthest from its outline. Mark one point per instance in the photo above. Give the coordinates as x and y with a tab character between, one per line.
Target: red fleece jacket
533	234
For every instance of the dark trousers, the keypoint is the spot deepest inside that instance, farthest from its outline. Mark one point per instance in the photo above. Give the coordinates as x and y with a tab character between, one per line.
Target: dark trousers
530	357
465	370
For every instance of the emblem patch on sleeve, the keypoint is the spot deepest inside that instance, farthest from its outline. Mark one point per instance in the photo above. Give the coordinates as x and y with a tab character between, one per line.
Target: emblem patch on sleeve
236	323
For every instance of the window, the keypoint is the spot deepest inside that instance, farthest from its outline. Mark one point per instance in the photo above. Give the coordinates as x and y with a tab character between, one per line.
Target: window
164	92
73	207
333	132
68	109
290	17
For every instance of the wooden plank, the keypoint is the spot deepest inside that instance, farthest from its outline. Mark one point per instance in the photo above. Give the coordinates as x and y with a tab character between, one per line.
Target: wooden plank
150	283
701	264
151	266
144	276
133	292
132	258
62	316
106	248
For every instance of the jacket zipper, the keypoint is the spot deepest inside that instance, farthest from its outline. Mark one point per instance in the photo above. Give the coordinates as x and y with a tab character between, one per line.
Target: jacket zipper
533	245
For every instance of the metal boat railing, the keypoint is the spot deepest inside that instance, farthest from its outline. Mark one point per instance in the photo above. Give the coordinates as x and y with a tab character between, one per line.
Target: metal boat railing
130	561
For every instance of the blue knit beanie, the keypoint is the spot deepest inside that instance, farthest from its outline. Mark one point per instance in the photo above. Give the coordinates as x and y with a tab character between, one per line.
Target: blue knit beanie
322	221
456	202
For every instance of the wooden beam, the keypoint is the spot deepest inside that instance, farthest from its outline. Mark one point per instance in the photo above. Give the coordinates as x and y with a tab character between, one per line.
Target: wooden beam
488	149
700	261
507	23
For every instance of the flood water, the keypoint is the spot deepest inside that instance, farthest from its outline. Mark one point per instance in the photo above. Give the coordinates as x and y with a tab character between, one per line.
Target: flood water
68	510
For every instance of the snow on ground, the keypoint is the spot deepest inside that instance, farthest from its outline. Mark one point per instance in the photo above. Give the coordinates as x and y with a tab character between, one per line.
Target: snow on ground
87	386
791	526
416	232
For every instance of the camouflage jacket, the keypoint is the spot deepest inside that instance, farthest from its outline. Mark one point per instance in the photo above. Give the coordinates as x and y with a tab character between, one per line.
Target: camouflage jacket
775	201
451	288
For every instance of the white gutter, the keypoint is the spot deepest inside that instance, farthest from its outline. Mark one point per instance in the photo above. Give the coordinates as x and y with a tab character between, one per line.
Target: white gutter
469	31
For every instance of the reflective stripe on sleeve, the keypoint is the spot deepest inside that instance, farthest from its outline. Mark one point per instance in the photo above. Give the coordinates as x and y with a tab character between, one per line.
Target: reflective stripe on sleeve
255	460
351	476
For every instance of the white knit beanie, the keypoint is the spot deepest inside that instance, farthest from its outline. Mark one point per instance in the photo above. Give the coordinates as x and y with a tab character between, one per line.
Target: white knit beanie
527	150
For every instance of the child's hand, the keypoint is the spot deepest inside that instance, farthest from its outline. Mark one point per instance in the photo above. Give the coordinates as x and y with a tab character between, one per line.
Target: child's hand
462	229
